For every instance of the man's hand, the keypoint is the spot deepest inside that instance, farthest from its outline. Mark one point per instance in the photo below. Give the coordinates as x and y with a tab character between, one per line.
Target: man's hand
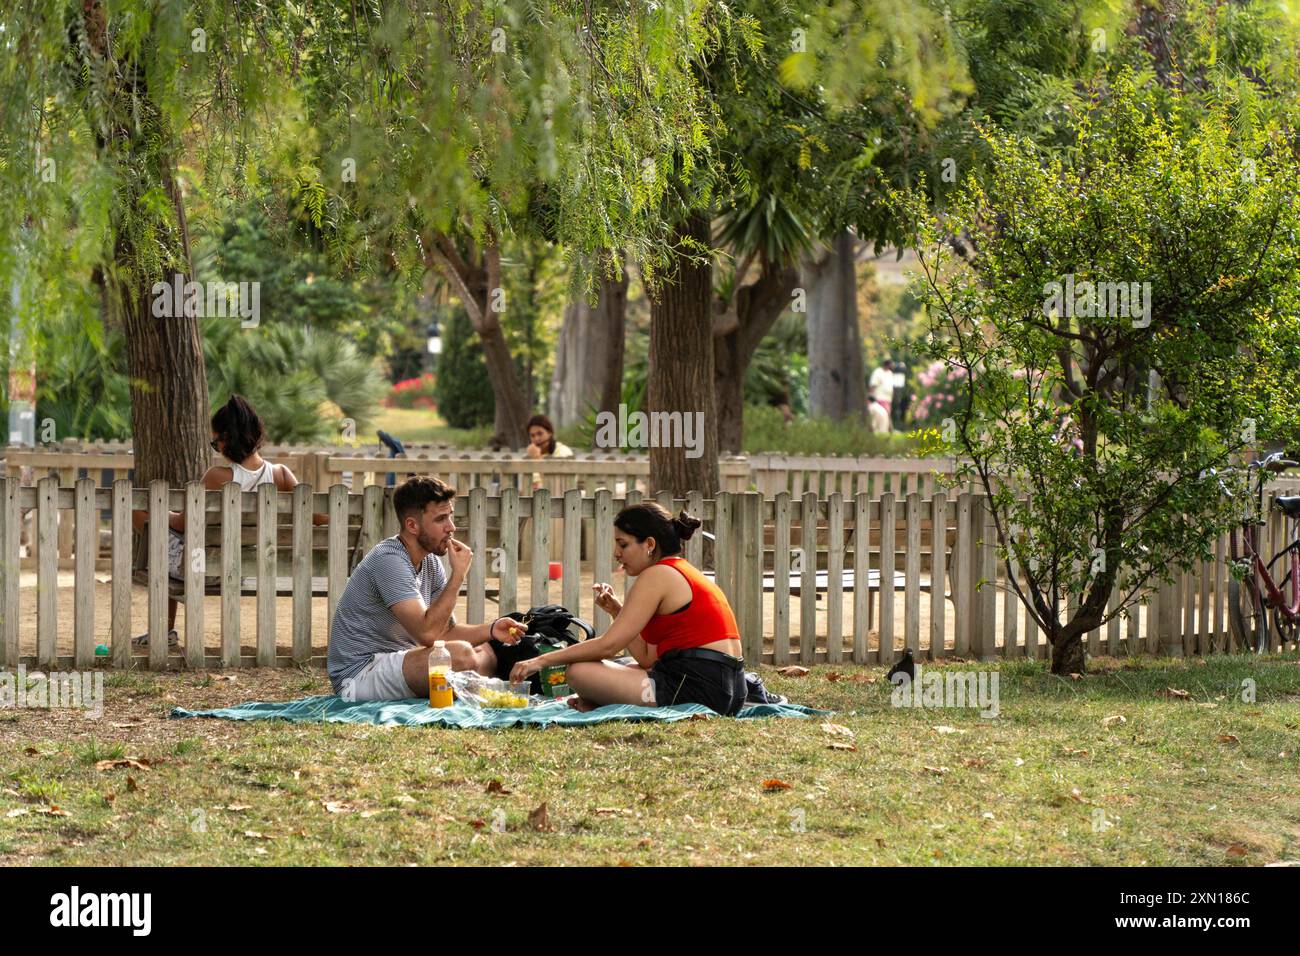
510	632
460	556
605	599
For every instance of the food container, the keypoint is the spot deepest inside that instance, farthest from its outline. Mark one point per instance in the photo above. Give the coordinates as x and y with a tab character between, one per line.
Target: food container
490	692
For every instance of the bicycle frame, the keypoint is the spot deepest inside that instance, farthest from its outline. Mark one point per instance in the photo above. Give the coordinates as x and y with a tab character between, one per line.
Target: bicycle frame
1259	573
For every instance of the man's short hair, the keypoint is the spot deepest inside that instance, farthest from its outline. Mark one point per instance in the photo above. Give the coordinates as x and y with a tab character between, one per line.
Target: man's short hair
418	492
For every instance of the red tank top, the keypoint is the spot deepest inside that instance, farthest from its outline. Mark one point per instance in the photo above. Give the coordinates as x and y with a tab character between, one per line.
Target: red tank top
708	618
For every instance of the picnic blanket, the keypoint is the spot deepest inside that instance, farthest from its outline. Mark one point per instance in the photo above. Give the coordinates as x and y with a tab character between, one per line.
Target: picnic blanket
416	711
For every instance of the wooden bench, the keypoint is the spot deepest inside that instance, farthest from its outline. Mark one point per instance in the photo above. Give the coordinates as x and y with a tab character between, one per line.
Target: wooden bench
356	549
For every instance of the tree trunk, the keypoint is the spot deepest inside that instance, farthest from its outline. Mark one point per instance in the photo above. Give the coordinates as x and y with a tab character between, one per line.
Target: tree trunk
680	375
755	310
169	389
836	377
729	386
1067	652
476	278
169	385
589	354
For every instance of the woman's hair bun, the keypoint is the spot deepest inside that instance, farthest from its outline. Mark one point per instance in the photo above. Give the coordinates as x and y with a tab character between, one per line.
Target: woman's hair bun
685	525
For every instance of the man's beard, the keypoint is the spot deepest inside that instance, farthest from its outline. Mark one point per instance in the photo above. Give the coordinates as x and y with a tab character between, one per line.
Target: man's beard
432	545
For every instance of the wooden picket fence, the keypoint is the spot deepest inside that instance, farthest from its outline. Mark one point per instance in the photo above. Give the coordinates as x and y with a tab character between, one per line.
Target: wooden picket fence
811	578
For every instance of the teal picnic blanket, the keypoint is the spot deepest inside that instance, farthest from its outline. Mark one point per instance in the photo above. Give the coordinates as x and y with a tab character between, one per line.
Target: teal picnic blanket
416	711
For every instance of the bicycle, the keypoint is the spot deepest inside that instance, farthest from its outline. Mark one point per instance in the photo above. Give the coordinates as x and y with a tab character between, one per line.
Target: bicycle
1258	596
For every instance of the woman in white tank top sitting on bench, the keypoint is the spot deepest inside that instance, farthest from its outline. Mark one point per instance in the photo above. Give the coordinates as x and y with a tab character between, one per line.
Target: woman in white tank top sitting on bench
237	433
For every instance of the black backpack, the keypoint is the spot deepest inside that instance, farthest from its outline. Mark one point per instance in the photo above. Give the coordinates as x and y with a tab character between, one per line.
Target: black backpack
552	624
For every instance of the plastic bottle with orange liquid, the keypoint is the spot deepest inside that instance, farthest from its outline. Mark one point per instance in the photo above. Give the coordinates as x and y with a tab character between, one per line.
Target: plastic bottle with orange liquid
440	694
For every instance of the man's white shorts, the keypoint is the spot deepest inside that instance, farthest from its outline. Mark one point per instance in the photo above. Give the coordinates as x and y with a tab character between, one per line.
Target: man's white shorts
381	679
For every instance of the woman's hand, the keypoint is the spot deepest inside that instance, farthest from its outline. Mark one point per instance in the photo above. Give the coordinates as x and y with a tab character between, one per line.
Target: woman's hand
525	669
533	451
510	633
605	599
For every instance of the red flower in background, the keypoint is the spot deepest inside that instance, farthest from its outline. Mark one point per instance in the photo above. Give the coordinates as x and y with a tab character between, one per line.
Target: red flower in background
412	393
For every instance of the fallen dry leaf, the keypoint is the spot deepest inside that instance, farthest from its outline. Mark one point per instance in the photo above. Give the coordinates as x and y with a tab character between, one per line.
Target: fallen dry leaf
135	763
229	677
131	784
974	762
17	812
832	676
1075	675
52	811
837	730
1228	738
842	746
944	729
1236	850
620	810
127	726
254	835
338	806
235	807
1114	719
33	752
478	824
539	819
774	784
1071	752
794	670
495	786
1174	693
939	771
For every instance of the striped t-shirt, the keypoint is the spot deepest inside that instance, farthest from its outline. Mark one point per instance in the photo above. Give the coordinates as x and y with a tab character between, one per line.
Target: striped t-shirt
364	624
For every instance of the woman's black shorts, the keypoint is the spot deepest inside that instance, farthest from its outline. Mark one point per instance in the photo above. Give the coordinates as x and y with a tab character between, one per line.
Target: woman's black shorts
698	676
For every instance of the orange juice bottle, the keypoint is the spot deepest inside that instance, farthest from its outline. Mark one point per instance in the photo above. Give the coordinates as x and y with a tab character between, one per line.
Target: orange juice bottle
440	694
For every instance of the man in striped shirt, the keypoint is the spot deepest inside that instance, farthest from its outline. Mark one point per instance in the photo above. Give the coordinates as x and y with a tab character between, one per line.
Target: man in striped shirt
399	601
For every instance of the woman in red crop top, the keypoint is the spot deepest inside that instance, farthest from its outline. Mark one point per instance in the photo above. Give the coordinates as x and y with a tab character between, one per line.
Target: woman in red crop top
677	625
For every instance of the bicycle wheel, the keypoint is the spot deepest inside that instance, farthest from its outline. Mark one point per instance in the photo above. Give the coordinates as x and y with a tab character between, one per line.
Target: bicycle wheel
1246	616
1286	631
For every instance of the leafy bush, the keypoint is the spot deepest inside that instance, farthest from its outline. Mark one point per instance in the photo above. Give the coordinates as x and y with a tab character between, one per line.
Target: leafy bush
766	431
81	381
303	381
1154	245
940	394
462	390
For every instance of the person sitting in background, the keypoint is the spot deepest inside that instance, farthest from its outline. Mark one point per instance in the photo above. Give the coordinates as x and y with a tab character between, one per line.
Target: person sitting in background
542	442
677	625
237	433
881	397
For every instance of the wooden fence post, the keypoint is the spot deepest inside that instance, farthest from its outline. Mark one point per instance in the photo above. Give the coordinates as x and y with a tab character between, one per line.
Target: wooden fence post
808	516
888	526
122	534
